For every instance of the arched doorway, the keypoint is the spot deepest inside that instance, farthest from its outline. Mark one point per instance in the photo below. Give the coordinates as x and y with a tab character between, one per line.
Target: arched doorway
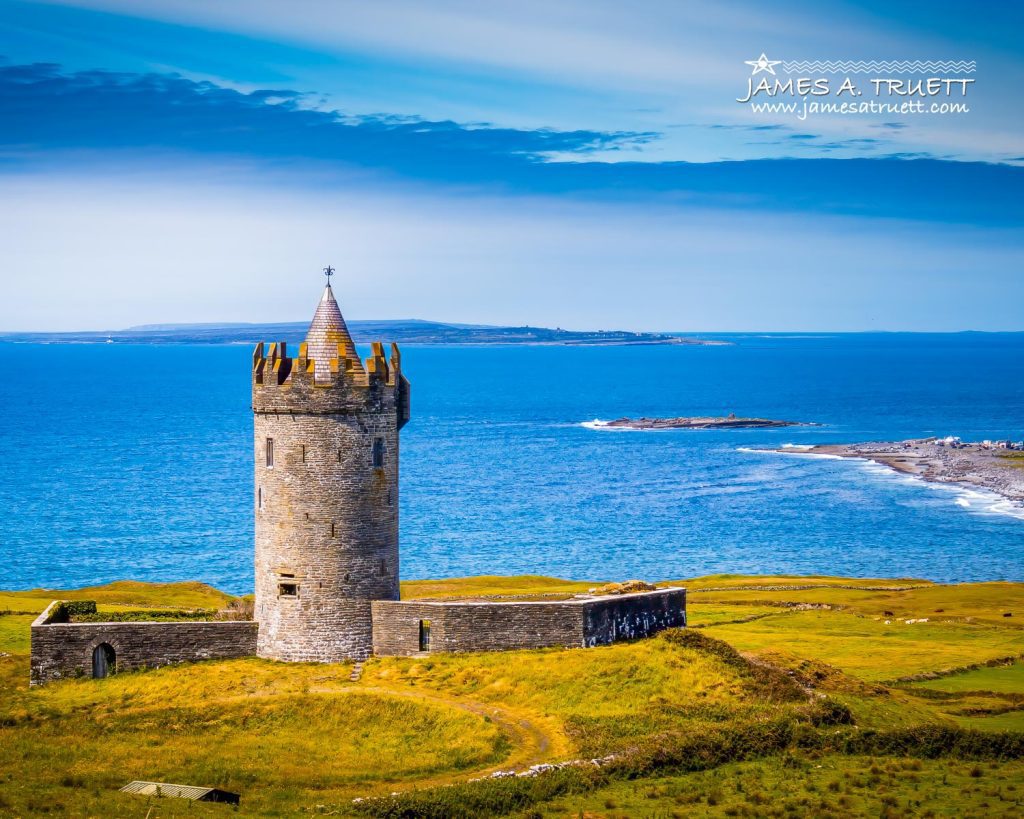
103	661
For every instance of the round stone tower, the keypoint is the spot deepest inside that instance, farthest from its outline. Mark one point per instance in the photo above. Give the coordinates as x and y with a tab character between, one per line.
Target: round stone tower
326	445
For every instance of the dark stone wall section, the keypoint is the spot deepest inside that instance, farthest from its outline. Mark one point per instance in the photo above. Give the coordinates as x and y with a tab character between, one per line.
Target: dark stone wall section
61	650
632	616
499	626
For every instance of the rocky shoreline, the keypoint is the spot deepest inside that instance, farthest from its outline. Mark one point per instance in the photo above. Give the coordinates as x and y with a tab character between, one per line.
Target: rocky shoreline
931	459
699	422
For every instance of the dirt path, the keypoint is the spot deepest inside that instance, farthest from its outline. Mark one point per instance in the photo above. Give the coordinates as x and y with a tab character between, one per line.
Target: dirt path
531	744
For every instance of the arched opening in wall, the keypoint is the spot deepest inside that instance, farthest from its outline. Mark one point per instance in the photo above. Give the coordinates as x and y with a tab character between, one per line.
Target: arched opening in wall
104	661
424	635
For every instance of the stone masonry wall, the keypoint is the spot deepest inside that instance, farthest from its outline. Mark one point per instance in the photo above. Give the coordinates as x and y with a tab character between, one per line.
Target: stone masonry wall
61	650
496	626
456	626
628	617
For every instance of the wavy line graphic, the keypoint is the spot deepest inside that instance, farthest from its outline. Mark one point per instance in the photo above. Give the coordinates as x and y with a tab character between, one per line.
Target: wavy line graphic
879	66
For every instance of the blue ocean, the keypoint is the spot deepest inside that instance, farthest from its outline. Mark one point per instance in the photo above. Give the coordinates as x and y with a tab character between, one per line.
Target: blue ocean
134	461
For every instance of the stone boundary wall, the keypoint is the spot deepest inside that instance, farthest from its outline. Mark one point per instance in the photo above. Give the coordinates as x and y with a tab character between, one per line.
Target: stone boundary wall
61	650
501	625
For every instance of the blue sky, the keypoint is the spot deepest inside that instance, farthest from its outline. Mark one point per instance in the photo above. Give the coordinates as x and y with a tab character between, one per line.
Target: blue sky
581	164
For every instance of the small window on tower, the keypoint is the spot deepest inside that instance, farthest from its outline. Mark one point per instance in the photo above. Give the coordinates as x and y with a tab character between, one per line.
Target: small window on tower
383	568
378	453
287	590
270	453
259	497
303	453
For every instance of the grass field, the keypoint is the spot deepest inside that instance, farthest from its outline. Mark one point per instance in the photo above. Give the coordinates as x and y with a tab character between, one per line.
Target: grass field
825	786
1007	679
791	696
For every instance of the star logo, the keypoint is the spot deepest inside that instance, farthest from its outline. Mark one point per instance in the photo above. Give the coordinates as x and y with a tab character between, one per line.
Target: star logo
762	63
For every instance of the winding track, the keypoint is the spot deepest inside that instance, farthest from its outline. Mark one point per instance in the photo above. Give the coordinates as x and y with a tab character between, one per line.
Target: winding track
531	744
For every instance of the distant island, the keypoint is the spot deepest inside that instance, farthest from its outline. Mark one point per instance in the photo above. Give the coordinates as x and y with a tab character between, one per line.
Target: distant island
404	331
699	422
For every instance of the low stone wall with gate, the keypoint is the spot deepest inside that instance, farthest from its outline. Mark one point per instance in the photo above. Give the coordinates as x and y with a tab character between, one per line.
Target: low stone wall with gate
64	649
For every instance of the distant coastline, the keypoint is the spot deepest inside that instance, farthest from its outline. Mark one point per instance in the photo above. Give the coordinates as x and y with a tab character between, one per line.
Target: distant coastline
405	331
990	466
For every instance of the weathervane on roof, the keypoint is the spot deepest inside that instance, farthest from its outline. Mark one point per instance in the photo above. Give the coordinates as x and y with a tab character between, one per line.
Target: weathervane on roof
328	272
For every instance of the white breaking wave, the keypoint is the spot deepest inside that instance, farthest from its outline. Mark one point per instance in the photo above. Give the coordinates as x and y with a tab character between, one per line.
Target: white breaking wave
794	449
597	423
975	500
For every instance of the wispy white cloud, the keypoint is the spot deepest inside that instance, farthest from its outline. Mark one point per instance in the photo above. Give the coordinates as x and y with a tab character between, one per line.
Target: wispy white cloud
53	117
182	247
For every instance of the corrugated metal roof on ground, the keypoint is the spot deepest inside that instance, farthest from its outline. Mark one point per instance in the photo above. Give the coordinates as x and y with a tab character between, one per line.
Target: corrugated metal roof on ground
166	789
194	792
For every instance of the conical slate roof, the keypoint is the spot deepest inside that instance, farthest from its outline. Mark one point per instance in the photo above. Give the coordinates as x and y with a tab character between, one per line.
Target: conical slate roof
326	332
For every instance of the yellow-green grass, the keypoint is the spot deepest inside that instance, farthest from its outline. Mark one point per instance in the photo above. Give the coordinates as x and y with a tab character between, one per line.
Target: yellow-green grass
493	585
1013	458
870	649
121	594
731	581
14	633
284	735
971	602
267	749
1006	679
597	700
829	786
1007	721
700	613
254	726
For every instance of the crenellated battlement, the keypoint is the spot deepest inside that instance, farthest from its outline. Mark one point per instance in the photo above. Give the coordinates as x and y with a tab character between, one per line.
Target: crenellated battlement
284	384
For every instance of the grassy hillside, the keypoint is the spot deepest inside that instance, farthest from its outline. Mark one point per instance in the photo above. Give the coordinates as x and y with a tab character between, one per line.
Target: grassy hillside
786	696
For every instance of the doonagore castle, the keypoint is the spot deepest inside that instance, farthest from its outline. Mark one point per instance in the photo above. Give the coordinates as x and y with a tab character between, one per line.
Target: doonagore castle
326	489
326	438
